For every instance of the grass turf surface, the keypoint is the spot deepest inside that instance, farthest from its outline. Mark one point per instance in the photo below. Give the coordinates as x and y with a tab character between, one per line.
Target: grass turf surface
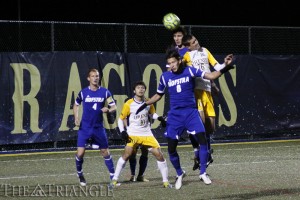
258	170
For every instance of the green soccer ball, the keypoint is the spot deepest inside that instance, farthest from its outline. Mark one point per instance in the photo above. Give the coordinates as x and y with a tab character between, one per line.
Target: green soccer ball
171	21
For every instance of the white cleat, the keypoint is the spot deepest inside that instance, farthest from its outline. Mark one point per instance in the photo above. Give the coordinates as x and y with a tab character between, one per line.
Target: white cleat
203	177
178	182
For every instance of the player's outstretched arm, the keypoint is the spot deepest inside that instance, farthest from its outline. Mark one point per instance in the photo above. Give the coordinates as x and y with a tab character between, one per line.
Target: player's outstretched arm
216	74
153	99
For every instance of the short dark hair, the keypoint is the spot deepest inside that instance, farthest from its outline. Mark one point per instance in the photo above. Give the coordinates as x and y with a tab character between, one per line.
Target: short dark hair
179	29
186	39
139	83
173	53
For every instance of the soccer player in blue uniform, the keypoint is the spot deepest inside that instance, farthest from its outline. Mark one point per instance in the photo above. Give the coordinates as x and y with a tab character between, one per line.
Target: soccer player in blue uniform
178	35
93	99
183	114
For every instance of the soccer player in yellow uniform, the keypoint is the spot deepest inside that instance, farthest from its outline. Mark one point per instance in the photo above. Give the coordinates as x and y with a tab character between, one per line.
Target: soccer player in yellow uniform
201	58
138	132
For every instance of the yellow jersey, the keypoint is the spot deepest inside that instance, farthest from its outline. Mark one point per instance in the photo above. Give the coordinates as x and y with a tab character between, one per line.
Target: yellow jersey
138	125
201	59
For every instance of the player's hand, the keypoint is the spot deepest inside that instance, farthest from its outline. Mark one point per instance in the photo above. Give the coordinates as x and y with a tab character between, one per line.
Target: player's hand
142	107
77	122
228	59
111	117
104	109
226	69
162	121
125	136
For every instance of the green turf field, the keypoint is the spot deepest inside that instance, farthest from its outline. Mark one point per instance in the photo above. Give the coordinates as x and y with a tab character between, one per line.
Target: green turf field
261	170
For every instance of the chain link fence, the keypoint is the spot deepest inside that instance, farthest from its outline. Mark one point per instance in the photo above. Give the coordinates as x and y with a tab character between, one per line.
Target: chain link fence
24	36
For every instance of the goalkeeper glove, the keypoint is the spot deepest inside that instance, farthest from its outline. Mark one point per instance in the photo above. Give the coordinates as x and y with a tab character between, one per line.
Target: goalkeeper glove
162	121
226	69
111	117
125	136
142	107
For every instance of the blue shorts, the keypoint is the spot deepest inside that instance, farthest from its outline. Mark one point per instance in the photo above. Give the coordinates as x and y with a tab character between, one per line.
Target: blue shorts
181	120
98	135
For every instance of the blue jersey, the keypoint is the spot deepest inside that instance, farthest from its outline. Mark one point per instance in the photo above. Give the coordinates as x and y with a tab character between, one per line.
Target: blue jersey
182	51
93	102
180	87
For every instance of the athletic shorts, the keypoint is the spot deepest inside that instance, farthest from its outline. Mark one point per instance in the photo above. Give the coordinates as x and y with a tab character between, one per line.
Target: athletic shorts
98	135
181	120
148	141
205	102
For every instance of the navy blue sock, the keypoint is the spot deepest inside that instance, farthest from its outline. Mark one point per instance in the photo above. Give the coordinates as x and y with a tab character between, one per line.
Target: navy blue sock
174	158
132	164
203	158
208	141
79	162
110	165
143	164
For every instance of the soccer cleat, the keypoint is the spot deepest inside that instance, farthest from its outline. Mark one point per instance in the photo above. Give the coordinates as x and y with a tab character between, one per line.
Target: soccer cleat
113	184
132	178
167	185
203	177
196	164
82	180
141	179
178	182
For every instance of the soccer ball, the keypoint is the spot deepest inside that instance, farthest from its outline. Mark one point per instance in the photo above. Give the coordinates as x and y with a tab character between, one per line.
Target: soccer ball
171	21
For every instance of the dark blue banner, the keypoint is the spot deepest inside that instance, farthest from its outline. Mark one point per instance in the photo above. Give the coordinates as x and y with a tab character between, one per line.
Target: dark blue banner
260	96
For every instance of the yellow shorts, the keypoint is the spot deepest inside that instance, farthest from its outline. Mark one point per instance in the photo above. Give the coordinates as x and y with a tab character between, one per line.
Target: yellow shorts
148	141
205	102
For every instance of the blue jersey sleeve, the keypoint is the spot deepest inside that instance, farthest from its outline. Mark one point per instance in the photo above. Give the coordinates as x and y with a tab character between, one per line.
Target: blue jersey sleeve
162	85
78	99
195	72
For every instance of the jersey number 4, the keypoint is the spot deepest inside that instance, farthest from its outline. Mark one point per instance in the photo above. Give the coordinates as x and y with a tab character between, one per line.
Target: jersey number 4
95	106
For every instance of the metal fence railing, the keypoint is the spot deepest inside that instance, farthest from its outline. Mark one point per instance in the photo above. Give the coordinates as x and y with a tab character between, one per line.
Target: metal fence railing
25	36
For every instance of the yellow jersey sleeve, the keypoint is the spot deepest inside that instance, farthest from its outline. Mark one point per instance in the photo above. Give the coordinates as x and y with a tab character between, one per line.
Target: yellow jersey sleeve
126	109
211	59
187	59
152	109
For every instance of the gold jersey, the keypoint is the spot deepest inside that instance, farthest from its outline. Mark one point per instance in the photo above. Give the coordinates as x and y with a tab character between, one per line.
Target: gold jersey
201	59
138	125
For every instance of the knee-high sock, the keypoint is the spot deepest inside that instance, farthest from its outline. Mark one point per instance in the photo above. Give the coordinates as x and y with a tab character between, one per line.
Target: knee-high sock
120	165
143	164
163	168
174	158
196	152
132	164
208	141
203	158
110	165
79	162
